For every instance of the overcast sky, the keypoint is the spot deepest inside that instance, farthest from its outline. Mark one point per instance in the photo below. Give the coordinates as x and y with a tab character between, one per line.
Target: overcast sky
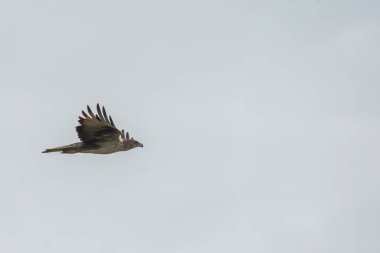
260	122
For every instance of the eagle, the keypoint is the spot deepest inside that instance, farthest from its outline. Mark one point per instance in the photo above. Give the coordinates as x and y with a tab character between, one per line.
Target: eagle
98	135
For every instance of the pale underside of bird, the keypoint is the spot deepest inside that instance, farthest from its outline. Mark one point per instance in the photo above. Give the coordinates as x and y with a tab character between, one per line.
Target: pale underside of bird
98	135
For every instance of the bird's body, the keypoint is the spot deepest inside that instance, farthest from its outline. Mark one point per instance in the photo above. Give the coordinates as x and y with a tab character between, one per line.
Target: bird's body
99	135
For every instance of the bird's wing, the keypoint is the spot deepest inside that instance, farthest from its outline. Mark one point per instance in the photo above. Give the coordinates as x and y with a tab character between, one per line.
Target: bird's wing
96	128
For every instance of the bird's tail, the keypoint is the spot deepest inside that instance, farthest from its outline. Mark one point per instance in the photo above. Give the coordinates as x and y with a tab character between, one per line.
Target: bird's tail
68	149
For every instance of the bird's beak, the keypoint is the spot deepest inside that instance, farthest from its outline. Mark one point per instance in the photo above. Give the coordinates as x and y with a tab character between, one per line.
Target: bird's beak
141	145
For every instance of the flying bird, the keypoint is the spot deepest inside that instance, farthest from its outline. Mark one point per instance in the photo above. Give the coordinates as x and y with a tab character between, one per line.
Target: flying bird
98	135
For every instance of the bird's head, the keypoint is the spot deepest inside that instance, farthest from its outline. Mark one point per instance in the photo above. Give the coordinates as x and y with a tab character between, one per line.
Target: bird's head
130	143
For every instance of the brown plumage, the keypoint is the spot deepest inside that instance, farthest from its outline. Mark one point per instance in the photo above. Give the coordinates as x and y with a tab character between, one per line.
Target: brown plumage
98	135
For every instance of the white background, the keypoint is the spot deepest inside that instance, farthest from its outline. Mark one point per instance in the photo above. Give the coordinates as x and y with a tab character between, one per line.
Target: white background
260	123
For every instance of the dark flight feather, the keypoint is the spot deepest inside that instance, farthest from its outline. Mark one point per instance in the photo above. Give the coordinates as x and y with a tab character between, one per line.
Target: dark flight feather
96	128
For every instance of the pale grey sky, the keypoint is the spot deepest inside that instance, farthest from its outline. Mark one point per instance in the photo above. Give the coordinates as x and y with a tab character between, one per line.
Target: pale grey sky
260	122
